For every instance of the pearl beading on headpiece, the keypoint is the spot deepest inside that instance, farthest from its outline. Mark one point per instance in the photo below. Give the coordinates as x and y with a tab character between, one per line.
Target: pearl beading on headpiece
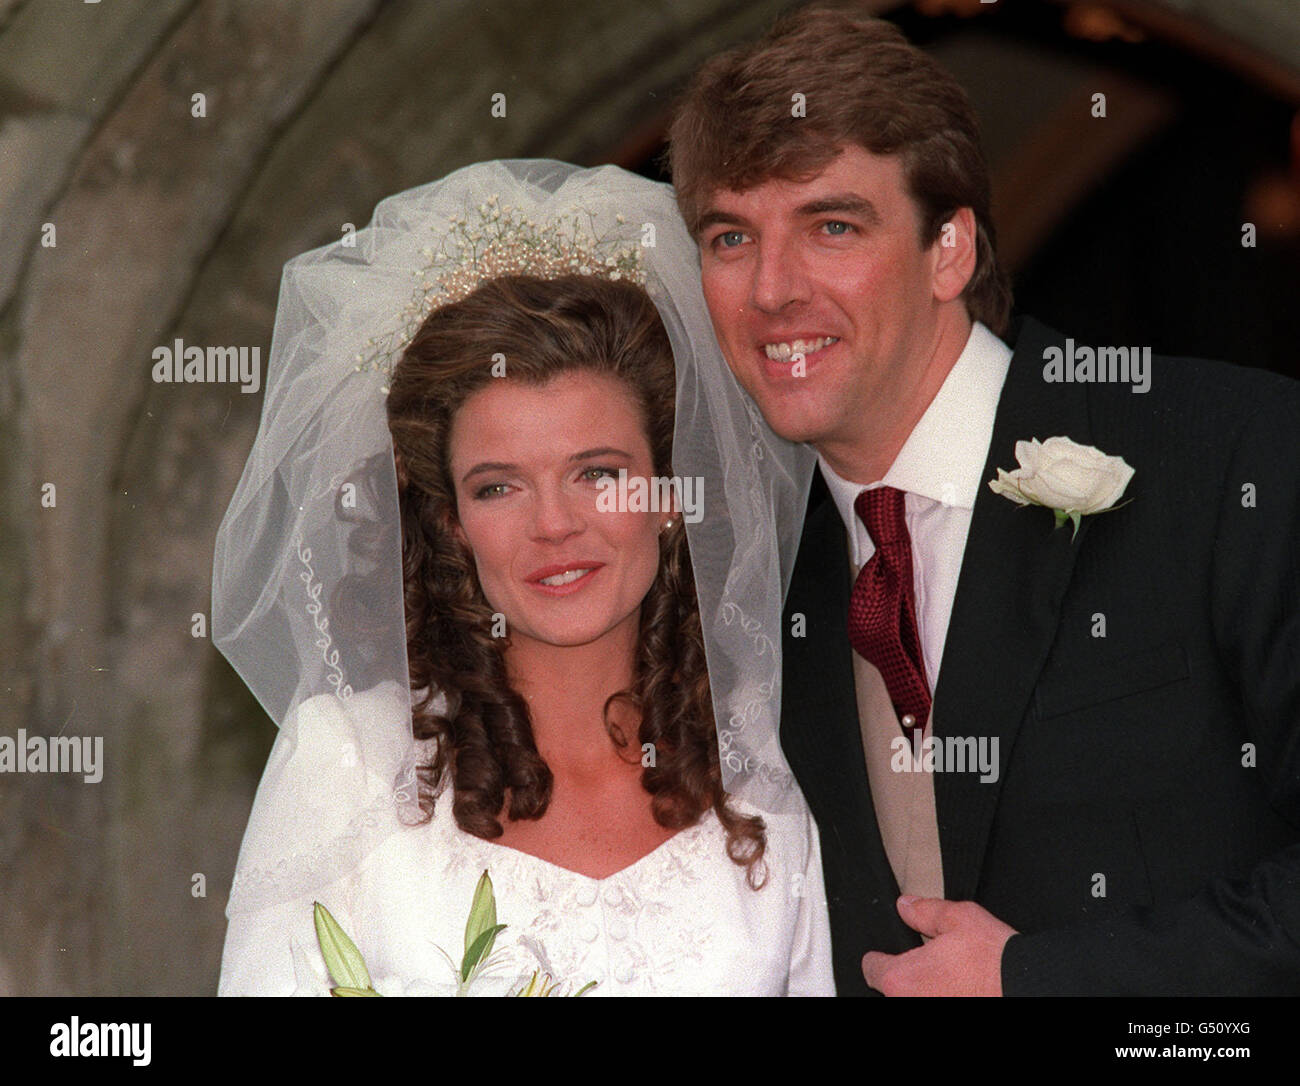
501	242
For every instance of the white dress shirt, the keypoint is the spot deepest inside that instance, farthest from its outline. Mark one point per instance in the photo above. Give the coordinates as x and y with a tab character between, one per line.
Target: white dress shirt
940	468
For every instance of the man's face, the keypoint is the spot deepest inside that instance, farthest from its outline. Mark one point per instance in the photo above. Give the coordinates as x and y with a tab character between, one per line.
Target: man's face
824	302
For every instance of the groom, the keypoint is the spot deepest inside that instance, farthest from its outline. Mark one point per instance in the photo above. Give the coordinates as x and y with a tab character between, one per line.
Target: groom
1042	760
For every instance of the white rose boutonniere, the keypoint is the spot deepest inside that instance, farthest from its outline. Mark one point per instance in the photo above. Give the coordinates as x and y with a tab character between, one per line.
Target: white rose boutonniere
1072	480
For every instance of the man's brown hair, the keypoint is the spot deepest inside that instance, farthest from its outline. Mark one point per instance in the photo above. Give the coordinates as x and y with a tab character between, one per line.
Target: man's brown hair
861	82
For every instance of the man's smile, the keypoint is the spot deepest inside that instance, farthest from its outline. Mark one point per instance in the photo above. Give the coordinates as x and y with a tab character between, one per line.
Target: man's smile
785	350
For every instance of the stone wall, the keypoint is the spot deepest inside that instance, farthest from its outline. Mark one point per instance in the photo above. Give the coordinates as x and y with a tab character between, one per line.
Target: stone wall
130	217
168	224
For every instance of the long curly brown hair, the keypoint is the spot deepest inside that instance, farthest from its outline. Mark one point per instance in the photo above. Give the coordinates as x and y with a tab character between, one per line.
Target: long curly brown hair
543	328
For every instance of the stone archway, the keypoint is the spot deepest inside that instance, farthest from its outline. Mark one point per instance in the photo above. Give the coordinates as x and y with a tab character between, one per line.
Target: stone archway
172	216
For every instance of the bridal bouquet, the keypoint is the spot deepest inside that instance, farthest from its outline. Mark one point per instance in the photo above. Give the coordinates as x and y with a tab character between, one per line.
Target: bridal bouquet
351	977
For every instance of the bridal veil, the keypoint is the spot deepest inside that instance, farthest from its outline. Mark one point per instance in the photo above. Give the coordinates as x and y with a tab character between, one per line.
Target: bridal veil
307	597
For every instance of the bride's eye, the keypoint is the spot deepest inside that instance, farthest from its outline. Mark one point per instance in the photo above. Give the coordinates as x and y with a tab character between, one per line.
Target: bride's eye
592	474
491	490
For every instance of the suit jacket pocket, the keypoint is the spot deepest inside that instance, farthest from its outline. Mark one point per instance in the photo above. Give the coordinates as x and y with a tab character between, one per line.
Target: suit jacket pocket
1066	690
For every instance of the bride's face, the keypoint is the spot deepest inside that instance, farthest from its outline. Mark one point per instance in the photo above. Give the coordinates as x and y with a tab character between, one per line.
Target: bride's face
552	555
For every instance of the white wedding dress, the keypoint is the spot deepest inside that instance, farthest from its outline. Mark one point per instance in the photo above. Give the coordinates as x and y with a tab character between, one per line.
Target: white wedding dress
679	921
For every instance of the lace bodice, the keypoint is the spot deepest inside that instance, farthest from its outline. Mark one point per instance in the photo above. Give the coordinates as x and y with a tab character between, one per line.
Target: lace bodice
681	920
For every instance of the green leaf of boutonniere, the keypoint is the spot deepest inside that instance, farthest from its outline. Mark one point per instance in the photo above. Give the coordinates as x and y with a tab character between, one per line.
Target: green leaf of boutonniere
1075	517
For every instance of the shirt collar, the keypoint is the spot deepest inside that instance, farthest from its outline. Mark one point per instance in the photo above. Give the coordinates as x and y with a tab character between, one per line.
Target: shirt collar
943	457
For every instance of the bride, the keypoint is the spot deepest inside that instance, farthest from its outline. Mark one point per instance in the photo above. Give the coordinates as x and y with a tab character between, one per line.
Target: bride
457	572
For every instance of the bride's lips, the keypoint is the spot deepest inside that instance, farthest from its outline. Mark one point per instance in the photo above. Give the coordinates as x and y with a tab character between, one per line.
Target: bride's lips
584	568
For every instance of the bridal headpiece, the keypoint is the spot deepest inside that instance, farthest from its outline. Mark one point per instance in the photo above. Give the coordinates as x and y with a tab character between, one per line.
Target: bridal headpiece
307	599
497	240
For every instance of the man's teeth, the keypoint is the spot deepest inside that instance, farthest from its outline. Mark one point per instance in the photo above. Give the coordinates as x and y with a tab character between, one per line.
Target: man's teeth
784	352
565	578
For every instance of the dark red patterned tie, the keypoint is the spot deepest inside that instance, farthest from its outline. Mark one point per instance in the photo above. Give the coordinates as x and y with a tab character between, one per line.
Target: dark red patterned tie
882	607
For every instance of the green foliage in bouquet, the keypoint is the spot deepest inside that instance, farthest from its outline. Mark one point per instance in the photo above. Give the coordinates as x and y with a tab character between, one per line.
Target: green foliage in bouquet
481	930
542	985
342	958
348	968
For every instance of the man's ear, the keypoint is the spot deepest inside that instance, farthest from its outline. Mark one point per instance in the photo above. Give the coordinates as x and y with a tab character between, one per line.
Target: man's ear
954	255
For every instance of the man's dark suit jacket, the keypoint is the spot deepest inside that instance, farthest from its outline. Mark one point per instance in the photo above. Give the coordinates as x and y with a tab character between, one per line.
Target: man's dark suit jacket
1143	834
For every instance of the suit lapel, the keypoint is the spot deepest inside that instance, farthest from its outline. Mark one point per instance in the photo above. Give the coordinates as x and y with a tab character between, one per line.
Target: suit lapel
1014	574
